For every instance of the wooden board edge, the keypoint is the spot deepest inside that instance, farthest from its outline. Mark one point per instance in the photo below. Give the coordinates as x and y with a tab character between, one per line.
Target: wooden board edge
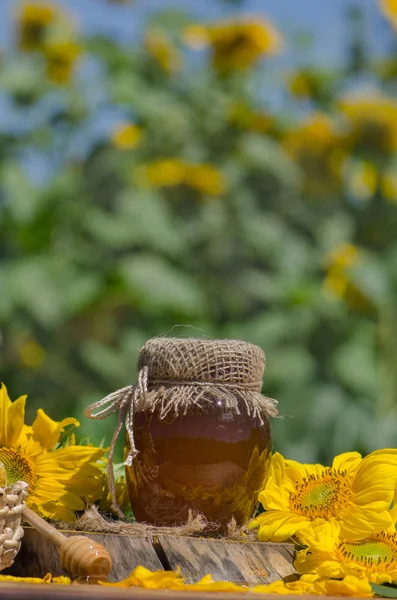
22	591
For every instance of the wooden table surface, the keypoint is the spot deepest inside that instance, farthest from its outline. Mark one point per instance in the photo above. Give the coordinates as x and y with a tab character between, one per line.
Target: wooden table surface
247	563
20	591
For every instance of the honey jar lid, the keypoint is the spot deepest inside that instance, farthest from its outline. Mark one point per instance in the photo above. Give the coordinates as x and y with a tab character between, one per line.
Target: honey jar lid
201	360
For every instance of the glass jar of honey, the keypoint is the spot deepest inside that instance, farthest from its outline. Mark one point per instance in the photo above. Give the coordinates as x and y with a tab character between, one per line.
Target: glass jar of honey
203	434
197	431
213	462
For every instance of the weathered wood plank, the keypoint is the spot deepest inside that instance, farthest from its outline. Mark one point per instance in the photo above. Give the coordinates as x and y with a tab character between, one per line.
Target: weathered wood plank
39	556
244	563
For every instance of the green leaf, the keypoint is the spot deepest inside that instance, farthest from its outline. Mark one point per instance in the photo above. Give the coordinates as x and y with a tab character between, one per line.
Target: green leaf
24	78
290	364
6	300
34	289
158	287
105	360
142	219
355	361
153	222
81	290
265	154
384	591
263	232
260	285
22	199
337	228
370	275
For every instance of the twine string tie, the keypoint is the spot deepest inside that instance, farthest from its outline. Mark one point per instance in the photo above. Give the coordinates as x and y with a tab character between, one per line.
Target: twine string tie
125	401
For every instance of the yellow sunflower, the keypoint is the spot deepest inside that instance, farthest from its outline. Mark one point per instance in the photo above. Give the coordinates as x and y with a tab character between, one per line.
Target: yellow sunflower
243	117
62	478
300	86
172	172
318	586
61	57
319	149
204	178
338	281
356	492
126	136
388	185
329	555
361	178
389	9
235	45
33	21
373	122
161	49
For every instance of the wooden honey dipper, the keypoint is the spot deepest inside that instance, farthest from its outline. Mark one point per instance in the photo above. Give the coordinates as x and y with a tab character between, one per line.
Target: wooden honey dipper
80	556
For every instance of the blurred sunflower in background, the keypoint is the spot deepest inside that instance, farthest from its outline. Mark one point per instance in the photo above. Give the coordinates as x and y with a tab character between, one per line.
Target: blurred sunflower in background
389	8
317	146
302	85
373	123
235	45
61	57
311	84
33	21
338	281
201	177
126	136
243	117
47	30
160	48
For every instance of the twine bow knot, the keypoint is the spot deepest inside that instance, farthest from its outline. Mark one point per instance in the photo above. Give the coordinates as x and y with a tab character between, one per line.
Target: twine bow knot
126	401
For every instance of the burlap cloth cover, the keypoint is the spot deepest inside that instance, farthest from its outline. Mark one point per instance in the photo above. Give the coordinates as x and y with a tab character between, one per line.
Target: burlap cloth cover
175	374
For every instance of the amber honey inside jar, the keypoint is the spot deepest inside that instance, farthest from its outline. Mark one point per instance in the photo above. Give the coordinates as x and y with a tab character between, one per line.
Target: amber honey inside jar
212	461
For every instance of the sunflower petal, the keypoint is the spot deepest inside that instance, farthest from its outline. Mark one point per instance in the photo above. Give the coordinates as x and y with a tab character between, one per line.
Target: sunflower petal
73	457
348	586
298	472
47	432
5	404
278	526
319	563
348	461
16	417
278	486
361	522
374	481
320	535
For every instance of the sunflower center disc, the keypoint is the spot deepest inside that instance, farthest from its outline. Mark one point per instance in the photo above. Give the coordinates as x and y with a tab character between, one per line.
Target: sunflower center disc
379	549
18	467
322	496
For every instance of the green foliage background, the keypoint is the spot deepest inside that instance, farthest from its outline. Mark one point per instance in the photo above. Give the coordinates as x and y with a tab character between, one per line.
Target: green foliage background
93	264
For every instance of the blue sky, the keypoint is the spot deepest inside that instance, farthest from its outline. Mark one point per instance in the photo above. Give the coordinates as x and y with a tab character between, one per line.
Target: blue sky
324	18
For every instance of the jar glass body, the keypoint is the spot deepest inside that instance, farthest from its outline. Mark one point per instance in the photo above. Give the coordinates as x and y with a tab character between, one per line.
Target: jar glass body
214	462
